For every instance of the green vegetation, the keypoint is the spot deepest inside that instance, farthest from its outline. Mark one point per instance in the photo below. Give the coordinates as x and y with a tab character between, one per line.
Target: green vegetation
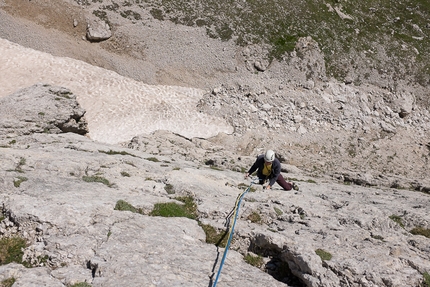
11	250
123	205
378	237
20	179
21	163
421	231
125	174
397	219
154	159
426	280
324	255
215	167
131	15
213	236
254	217
278	211
245	186
256	261
96	178
399	27
172	209
8	282
112	152
81	284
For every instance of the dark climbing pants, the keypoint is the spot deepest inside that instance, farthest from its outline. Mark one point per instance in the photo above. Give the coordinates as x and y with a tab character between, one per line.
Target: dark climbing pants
282	182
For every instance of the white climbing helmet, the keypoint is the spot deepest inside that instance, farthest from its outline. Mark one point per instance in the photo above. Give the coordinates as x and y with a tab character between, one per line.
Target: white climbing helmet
269	156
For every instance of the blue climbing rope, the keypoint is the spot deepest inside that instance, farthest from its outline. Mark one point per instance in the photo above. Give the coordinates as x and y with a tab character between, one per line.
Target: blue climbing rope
236	213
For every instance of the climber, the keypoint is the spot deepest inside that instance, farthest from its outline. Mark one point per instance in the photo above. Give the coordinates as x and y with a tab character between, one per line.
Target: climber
268	167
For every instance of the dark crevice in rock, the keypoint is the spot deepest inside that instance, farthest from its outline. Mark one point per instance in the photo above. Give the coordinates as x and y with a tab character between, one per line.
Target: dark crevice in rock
276	266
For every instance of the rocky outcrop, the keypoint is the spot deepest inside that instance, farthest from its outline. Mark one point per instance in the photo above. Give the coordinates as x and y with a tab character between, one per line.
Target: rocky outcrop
41	109
98	31
60	191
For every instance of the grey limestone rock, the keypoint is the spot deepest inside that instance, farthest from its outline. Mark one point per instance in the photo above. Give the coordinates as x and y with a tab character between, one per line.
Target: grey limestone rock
98	31
41	109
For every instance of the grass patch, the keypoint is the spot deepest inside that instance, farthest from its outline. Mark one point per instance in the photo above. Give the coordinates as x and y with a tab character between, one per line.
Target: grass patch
254	217
81	284
213	236
172	209
125	174
8	282
19	180
123	205
21	163
245	186
378	237
112	152
215	167
96	178
131	15
256	261
421	231
324	255
153	159
397	219
426	279
11	250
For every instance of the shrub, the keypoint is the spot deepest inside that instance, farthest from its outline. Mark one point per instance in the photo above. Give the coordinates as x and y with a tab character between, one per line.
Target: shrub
125	174
154	159
324	255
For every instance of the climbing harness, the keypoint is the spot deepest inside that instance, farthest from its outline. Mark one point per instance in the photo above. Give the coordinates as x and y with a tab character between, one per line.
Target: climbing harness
234	212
